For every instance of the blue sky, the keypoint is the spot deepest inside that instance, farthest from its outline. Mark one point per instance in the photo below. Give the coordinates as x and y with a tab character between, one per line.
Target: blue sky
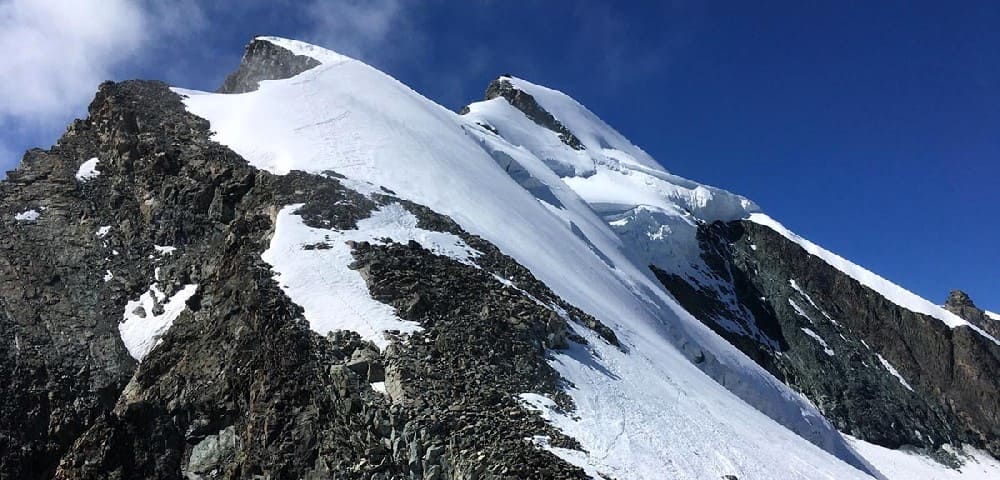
872	128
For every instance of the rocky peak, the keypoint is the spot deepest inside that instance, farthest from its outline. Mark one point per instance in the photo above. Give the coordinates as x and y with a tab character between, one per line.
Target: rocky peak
263	60
958	299
521	100
962	305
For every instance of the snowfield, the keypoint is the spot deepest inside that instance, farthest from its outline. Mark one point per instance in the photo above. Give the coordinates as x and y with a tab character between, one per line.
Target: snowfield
681	403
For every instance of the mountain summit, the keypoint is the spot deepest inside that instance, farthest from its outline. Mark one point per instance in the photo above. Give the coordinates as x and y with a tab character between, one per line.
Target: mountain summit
316	272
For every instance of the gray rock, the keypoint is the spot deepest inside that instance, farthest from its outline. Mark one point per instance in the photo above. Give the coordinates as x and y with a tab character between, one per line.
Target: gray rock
264	60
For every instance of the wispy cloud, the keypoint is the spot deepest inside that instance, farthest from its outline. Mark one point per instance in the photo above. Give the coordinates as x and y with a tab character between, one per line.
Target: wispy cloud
377	31
56	52
609	46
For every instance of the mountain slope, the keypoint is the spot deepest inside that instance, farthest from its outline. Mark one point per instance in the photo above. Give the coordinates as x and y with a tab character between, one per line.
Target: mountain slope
347	117
670	224
320	273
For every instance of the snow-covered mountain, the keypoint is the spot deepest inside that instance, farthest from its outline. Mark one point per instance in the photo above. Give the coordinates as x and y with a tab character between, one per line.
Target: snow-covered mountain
319	273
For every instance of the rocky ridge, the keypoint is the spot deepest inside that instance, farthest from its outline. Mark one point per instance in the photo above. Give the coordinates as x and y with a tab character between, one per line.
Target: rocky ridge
212	400
878	371
960	304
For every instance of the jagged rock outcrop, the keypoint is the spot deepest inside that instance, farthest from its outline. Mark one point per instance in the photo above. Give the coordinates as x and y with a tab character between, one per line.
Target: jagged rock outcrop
136	207
502	87
876	370
264	60
960	304
240	386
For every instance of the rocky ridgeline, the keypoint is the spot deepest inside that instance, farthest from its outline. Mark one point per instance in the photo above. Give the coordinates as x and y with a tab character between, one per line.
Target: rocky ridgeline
945	391
960	304
265	61
502	87
239	386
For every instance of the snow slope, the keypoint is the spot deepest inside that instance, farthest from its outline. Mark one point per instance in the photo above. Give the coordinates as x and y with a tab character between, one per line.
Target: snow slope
899	464
648	413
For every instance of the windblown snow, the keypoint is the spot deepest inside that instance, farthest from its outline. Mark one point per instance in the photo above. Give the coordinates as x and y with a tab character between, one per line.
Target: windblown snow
586	222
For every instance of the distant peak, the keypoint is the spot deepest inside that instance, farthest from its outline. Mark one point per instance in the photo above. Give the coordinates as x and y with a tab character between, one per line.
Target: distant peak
275	58
523	101
320	54
958	298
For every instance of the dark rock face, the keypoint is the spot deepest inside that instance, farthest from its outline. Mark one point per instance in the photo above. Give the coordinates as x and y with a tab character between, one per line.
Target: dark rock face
264	60
833	331
501	87
960	304
239	386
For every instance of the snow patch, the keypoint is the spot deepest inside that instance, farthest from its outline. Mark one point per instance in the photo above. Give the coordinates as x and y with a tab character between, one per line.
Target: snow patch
108	276
162	250
994	316
888	366
892	292
826	348
103	231
27	216
140	329
379	387
88	170
802	313
319	279
573	457
797	288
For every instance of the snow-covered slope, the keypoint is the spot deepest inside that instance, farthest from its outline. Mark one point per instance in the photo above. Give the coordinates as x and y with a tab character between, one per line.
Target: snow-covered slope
893	464
586	222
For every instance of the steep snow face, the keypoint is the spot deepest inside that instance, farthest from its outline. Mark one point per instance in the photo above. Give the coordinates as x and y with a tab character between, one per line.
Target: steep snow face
641	413
887	289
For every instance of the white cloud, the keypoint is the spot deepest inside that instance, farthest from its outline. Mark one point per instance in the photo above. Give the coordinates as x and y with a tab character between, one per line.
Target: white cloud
58	51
